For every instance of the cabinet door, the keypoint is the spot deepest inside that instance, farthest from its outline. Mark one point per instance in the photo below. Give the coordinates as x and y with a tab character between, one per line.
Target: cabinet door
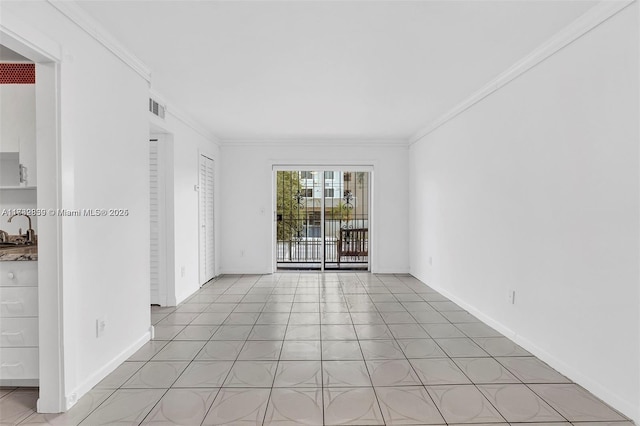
18	273
18	363
18	302
19	332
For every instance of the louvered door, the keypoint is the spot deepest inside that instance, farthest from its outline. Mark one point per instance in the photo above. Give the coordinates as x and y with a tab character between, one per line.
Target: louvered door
206	219
154	220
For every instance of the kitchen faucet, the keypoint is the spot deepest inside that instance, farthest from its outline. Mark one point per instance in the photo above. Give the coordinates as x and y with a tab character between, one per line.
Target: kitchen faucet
31	234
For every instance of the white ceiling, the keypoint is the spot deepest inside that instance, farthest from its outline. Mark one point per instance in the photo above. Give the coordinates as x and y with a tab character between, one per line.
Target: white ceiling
326	69
8	55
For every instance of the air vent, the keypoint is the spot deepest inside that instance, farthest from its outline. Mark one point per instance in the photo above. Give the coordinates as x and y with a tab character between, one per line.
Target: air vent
155	108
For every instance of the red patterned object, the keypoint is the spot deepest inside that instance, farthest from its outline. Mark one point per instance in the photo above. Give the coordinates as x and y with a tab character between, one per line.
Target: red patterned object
17	73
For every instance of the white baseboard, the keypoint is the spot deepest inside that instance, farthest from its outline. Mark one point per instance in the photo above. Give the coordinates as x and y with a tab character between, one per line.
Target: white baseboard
246	272
72	397
399	271
19	382
606	394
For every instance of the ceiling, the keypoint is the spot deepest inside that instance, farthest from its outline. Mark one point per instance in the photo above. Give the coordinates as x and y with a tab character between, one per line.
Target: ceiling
8	55
252	70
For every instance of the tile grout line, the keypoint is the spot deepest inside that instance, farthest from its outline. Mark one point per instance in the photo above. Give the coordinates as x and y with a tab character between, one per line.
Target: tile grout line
188	364
266	408
364	360
416	373
228	372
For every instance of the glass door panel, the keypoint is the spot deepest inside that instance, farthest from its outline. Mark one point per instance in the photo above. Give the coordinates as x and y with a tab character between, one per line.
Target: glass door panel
346	220
299	220
322	219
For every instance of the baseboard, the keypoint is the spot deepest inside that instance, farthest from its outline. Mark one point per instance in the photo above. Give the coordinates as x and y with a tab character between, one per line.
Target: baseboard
604	393
19	383
245	272
73	397
399	271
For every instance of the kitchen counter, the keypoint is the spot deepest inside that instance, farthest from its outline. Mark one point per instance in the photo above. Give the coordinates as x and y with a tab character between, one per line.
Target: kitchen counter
19	253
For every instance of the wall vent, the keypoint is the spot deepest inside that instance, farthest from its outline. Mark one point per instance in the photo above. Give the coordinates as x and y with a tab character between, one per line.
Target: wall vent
156	109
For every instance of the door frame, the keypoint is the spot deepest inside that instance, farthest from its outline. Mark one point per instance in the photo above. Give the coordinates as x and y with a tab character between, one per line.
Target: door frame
211	157
47	56
355	166
166	240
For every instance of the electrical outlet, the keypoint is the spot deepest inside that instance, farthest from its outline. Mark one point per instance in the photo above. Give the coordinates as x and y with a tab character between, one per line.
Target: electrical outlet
101	326
512	297
182	271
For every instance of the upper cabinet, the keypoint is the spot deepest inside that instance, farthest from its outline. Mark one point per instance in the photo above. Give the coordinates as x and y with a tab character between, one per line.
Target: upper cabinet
18	124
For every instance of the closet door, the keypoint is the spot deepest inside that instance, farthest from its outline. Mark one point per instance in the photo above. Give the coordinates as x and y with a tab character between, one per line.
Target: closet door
206	220
156	202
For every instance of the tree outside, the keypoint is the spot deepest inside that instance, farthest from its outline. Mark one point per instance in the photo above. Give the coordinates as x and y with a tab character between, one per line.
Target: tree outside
290	214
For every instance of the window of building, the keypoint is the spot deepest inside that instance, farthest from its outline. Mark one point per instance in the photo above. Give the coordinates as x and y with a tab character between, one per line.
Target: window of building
315	218
306	175
328	175
308	192
328	192
347	177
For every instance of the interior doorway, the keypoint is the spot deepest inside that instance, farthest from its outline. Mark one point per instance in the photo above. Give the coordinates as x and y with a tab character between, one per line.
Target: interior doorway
322	219
206	219
157	223
49	361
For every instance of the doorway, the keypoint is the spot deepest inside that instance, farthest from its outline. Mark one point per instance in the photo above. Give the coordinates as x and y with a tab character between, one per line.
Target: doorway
206	219
157	223
322	219
48	347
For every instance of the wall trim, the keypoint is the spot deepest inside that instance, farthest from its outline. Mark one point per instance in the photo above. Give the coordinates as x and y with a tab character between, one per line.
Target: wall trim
181	116
247	271
606	394
88	24
186	119
27	41
108	367
595	16
395	271
328	141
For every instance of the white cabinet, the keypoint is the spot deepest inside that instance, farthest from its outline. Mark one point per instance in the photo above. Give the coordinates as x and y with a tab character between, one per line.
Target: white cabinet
17	302
18	323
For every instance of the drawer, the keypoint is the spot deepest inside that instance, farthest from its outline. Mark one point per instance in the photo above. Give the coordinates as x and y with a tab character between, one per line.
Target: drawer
18	363
18	302
18	332
19	273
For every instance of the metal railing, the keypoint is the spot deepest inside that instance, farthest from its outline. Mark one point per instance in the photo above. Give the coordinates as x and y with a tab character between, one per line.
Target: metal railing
308	250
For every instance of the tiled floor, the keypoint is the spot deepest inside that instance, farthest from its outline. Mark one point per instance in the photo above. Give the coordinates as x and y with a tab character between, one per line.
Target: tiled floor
311	348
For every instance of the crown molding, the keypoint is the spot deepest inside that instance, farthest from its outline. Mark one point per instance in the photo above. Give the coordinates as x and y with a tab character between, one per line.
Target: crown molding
82	19
183	117
195	126
26	40
88	24
595	16
332	141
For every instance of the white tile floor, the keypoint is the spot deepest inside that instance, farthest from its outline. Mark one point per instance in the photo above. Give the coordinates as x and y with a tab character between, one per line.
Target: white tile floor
314	349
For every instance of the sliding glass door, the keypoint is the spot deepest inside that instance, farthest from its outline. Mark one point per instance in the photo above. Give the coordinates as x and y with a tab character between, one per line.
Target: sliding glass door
322	219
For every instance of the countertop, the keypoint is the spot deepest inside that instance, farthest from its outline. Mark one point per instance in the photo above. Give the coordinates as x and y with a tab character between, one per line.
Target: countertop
19	253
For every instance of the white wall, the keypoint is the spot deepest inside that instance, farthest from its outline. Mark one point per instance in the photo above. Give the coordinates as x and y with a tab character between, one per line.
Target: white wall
247	189
187	145
104	131
18	134
535	189
18	124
